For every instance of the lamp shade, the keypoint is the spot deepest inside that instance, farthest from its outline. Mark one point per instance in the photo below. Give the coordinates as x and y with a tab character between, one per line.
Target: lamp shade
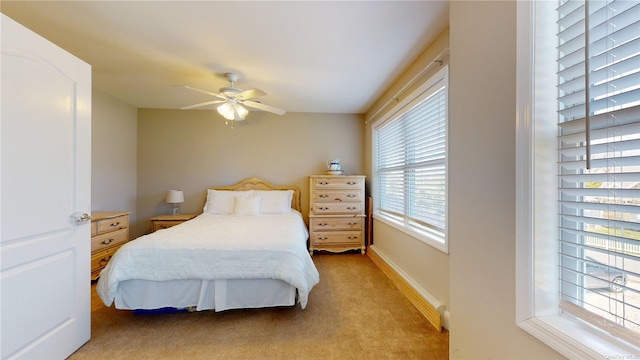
175	197
233	111
240	112
226	110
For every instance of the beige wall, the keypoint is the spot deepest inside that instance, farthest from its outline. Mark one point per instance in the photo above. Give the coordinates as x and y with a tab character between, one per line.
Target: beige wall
482	185
193	150
113	155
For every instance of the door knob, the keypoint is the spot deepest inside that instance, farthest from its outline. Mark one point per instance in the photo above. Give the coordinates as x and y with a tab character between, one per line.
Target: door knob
81	218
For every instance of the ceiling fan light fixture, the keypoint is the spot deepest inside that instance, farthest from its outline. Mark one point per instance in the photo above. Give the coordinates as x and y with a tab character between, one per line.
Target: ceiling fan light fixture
232	111
226	110
240	112
232	100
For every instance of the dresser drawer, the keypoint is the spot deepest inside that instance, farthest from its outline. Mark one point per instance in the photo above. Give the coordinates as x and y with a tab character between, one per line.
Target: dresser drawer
335	238
94	228
100	259
338	182
159	225
354	195
337	208
336	224
115	223
109	239
166	221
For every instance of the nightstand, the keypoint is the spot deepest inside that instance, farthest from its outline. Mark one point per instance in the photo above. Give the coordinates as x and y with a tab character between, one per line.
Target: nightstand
167	221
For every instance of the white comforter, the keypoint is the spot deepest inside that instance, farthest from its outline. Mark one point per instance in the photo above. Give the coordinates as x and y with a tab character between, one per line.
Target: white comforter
215	247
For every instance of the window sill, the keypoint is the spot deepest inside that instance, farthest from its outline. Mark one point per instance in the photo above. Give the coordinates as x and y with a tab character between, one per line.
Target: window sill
576	341
429	239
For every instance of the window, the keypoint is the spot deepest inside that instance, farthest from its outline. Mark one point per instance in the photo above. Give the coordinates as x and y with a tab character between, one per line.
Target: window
410	150
579	224
599	163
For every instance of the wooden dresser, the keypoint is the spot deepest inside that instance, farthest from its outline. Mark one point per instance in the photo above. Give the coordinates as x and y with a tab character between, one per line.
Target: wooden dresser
336	213
109	231
166	221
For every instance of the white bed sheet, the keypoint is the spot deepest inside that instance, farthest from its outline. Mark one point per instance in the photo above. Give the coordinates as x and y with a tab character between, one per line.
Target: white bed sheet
217	247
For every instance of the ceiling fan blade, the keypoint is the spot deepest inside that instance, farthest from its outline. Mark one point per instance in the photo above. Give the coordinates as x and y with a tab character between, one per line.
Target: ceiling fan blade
204	92
260	106
250	94
202	104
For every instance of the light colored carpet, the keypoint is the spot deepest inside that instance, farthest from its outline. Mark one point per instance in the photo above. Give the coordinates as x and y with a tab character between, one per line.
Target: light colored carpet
355	312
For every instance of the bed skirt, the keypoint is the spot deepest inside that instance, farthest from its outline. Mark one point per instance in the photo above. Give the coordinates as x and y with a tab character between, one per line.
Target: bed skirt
218	295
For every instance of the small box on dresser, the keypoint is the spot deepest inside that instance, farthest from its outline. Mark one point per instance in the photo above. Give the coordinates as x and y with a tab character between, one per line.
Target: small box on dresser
109	231
336	213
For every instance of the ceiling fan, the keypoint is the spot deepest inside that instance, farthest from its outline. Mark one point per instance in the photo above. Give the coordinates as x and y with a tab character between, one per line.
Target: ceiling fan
233	100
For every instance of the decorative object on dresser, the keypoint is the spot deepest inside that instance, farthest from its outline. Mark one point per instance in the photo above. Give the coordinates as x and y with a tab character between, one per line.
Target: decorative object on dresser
175	197
336	213
109	231
333	167
166	221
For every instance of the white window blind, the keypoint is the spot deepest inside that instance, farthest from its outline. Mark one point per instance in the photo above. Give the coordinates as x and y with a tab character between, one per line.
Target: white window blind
410	166
599	163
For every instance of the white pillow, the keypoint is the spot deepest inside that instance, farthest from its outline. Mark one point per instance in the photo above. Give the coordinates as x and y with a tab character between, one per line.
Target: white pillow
222	201
274	201
248	205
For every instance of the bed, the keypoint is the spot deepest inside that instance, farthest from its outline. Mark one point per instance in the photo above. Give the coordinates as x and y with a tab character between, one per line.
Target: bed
246	250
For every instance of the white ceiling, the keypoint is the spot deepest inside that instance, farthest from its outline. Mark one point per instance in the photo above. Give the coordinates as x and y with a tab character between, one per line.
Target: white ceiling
324	57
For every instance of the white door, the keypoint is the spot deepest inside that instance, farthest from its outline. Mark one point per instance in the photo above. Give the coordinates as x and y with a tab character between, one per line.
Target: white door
45	129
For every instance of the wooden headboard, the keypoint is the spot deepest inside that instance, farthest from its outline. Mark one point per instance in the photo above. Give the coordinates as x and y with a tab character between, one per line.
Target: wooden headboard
256	183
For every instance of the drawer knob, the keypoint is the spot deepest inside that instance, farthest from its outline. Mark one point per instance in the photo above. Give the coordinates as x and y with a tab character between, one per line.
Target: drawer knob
105	260
324	195
322	238
351	195
106	242
115	224
351	208
352	237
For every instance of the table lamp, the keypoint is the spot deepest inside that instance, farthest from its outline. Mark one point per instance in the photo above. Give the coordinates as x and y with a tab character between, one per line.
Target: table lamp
175	197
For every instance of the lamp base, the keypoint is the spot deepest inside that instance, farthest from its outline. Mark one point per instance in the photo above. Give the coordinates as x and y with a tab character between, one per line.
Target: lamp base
175	211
